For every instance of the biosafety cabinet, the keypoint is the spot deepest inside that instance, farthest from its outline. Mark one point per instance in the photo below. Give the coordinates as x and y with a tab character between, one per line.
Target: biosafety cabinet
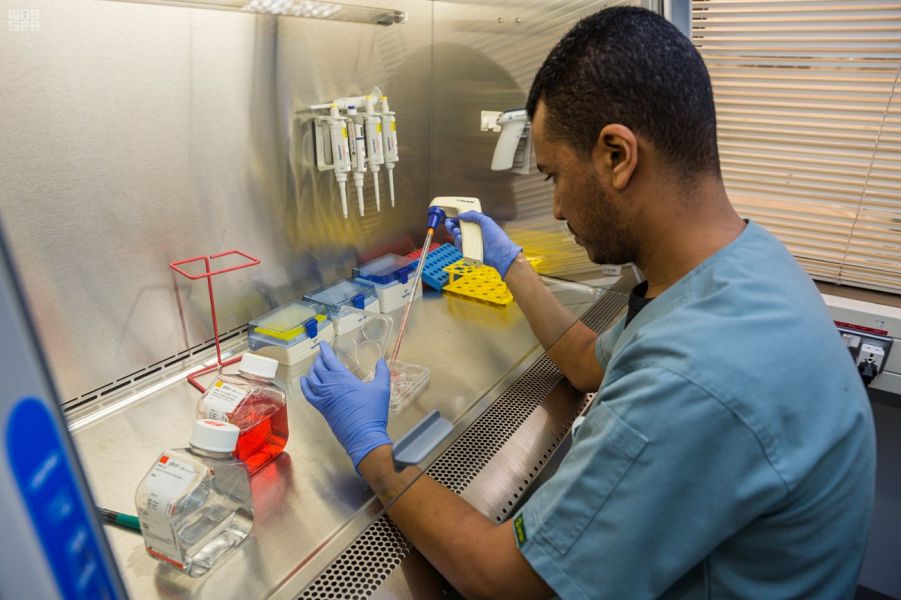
138	135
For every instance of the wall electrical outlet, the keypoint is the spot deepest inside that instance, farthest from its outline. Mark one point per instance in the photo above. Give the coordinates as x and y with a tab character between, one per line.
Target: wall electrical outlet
868	350
861	323
871	354
489	121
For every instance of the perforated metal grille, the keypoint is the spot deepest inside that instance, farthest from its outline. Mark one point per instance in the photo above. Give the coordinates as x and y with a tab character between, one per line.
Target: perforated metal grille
472	451
360	569
600	316
459	465
505	511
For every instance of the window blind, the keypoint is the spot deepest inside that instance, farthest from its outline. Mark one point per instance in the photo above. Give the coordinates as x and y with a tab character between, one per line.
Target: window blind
808	103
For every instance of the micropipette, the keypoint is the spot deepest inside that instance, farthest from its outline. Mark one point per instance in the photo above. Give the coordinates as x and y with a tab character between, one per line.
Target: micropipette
341	160
389	142
359	153
340	153
374	147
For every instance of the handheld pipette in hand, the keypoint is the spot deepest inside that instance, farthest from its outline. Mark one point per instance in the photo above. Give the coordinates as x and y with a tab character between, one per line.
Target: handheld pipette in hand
471	240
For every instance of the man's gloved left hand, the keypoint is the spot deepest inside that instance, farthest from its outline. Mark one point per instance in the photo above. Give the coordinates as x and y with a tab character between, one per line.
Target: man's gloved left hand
499	250
356	411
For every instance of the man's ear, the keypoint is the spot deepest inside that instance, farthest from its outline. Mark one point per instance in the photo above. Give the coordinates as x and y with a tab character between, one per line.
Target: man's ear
615	155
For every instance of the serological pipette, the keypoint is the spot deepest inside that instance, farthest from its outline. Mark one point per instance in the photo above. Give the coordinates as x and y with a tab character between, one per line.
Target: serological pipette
436	217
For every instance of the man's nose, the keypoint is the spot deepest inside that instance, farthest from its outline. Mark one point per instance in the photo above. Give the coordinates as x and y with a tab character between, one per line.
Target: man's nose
557	209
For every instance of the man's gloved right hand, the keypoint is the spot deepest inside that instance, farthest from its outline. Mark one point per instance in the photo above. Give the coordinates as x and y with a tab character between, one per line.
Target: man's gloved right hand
500	251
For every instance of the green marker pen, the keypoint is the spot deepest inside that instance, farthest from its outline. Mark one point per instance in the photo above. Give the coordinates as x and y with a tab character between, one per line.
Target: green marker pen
121	519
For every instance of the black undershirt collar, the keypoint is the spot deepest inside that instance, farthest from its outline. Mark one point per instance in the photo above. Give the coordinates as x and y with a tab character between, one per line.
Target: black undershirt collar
637	301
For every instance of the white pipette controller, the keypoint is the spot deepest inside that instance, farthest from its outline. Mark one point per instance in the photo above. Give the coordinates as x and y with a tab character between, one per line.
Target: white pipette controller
470	233
513	125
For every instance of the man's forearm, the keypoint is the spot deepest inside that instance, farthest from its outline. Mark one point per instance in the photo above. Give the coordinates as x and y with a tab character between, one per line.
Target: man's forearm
547	316
479	558
377	468
568	341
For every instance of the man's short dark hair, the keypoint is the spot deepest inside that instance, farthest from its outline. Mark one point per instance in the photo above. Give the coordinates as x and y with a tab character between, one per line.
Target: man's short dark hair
630	66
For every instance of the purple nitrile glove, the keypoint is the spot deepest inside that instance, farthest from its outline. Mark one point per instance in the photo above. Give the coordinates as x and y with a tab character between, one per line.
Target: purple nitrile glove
499	250
356	411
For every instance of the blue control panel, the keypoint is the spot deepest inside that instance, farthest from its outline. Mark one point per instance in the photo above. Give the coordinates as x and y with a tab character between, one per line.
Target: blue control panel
48	487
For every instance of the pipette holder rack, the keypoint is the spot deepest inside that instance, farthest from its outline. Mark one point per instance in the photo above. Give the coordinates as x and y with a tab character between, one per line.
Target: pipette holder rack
208	274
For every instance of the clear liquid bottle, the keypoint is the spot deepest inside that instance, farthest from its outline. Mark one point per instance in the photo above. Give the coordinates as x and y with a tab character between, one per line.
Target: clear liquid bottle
194	504
255	404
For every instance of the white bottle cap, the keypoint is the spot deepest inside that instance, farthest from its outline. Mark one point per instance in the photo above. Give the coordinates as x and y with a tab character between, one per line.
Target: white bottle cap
214	436
261	366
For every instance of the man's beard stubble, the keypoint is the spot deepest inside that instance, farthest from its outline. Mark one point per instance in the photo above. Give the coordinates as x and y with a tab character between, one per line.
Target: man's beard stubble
607	240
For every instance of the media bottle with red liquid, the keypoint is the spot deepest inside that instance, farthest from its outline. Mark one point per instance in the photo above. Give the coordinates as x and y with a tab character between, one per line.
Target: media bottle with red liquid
251	401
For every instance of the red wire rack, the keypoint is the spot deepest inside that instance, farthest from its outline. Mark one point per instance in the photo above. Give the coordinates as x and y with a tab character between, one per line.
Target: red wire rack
208	274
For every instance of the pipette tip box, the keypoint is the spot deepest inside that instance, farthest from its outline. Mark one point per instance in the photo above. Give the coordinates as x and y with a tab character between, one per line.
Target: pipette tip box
345	293
391	277
290	333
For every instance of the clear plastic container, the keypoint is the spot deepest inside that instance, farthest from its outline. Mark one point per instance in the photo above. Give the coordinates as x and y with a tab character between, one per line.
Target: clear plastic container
407	382
255	404
361	348
194	503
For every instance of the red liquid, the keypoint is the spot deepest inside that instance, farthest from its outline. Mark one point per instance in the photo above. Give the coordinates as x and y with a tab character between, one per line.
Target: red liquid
264	430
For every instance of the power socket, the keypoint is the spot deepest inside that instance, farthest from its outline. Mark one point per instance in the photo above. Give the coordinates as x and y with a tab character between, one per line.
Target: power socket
869	351
871	354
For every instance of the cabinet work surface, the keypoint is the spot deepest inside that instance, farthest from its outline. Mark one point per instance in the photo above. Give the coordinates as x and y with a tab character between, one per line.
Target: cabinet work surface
309	503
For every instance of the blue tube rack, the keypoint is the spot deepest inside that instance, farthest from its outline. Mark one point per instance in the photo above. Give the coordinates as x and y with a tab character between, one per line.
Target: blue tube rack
433	273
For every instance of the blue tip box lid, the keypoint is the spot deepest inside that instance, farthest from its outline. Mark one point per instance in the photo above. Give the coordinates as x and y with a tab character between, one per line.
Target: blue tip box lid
386	269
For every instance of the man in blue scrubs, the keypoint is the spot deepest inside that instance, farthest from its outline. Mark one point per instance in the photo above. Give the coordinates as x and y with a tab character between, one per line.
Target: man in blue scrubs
730	450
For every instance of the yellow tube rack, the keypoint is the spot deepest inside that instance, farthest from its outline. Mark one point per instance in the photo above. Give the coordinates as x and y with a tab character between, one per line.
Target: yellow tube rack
477	282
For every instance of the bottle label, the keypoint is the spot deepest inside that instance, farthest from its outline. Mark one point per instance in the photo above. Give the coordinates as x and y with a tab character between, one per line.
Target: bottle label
221	399
166	482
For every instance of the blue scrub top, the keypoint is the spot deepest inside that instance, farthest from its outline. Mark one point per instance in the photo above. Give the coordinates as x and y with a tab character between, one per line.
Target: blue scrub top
730	451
